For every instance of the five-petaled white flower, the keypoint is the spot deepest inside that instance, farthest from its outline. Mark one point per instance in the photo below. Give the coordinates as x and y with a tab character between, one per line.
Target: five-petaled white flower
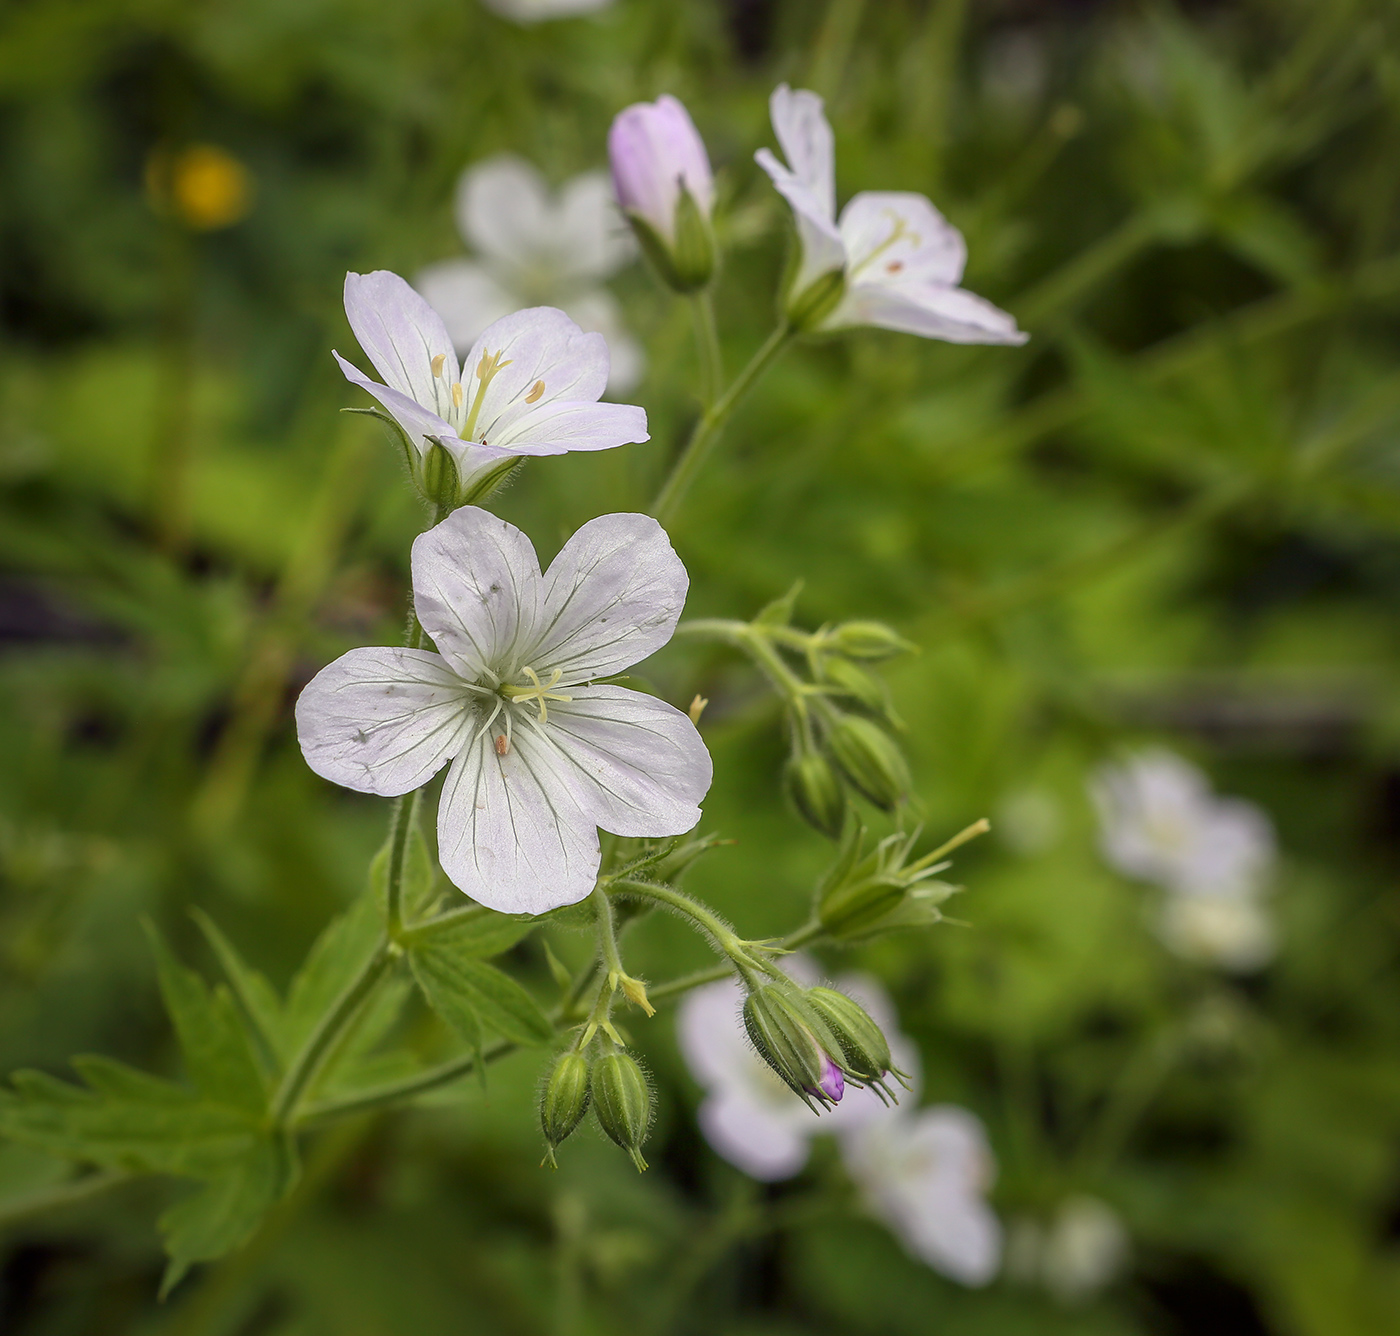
749	1115
529	385
900	258
925	1175
1160	822
535	246
541	756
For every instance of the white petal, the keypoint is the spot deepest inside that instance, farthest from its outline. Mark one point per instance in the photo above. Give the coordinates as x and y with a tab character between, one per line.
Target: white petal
899	233
822	247
511	833
466	296
593	241
503	210
951	314
596	312
382	721
807	142
637	765
612	596
476	588
542	353
766	1143
400	333
957	1234
420	423
556	428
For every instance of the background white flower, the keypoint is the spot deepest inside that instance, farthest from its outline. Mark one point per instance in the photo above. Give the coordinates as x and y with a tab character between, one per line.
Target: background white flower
748	1115
536	246
925	1174
537	11
902	260
1084	1247
540	757
1159	821
529	385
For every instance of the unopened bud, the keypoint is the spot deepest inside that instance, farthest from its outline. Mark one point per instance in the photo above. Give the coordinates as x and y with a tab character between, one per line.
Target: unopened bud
869	758
867	640
863	1044
816	792
855	682
622	1101
852	906
564	1102
795	1042
807	309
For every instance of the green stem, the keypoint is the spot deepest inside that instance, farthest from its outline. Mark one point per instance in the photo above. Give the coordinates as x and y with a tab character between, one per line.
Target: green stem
712	421
702	307
607	938
711	925
403	822
307	1064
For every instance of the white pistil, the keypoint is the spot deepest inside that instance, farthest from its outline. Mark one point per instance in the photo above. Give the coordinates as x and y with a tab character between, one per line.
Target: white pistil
537	692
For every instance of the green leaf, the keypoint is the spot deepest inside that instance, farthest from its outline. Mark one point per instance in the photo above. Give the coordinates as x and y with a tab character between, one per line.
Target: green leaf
461	990
226	1210
334	960
213	1040
419	874
124	1119
261	1006
476	933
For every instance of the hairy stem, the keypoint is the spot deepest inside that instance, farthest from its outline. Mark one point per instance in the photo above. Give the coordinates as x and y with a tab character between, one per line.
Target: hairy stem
403	823
707	343
712	421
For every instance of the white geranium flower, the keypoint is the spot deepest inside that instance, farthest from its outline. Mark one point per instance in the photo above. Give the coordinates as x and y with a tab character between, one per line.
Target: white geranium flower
1159	821
925	1174
537	11
536	246
900	258
749	1115
529	385
540	757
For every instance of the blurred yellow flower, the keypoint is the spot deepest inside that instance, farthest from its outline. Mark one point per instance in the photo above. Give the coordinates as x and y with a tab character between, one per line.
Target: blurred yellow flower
204	186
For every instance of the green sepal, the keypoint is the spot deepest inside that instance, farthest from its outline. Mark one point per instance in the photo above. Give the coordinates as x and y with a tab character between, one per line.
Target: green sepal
807	309
779	611
410	451
688	264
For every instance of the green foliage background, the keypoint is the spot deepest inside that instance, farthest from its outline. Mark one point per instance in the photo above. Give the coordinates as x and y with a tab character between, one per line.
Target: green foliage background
1174	515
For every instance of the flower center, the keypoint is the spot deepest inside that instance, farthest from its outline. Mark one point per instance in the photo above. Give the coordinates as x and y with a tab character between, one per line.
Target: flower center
451	400
537	692
898	232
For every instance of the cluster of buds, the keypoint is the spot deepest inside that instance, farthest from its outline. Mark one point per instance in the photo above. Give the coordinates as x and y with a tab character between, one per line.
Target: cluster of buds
864	894
840	724
818	1041
616	1088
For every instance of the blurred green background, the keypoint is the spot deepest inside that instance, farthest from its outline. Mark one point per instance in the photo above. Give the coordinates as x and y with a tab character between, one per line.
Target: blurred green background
1174	515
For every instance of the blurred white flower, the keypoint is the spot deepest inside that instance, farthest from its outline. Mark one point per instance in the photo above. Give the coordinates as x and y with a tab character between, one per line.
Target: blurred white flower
1160	822
925	1174
748	1115
537	11
536	246
541	755
892	260
1084	1247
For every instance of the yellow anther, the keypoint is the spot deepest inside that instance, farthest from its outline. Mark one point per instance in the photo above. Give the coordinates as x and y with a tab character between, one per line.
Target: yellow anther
535	393
437	365
457	394
697	708
537	692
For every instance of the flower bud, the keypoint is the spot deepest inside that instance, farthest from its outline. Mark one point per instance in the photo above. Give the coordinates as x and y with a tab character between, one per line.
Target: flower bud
565	1101
662	179
807	309
863	1045
855	682
439	478
869	758
867	640
622	1101
852	906
795	1042
816	792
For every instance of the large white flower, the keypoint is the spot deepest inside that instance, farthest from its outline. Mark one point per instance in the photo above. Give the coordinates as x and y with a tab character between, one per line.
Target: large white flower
540	755
749	1115
901	259
536	246
925	1174
529	385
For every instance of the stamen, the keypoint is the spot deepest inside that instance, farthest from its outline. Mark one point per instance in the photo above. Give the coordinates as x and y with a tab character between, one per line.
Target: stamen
457	394
437	365
536	693
486	369
535	393
502	744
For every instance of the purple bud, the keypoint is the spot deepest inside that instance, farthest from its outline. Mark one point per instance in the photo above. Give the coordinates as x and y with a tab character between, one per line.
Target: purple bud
655	150
833	1083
